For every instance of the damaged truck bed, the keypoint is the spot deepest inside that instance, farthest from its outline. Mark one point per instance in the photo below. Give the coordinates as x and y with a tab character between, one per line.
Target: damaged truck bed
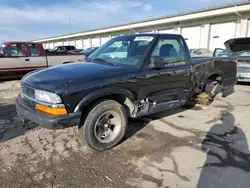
154	72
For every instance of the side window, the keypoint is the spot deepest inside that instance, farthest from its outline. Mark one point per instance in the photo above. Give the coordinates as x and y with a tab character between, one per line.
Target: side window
171	50
61	49
34	50
15	50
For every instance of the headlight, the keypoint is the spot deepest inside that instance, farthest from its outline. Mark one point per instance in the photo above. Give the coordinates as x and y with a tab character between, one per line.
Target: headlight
48	97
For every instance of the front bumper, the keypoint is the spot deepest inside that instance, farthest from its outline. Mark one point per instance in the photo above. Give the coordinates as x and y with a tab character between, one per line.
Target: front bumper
46	121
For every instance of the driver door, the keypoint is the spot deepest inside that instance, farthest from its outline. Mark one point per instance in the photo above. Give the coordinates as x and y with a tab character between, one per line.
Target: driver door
166	86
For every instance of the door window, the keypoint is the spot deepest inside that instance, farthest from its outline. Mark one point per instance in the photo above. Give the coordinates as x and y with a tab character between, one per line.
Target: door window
61	49
15	50
34	50
171	50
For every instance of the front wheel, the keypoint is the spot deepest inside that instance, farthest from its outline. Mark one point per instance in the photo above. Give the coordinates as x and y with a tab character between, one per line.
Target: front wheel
105	125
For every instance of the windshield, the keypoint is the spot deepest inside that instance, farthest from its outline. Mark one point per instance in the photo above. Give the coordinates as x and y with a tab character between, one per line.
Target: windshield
242	54
54	49
224	53
126	50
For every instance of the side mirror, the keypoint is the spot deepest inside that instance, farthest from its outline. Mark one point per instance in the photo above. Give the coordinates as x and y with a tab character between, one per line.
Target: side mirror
156	62
1	53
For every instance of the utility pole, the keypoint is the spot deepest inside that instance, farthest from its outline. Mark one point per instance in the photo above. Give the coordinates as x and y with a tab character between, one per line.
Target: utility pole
69	25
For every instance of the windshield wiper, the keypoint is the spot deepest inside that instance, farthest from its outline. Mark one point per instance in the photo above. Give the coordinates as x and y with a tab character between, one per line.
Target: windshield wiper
104	60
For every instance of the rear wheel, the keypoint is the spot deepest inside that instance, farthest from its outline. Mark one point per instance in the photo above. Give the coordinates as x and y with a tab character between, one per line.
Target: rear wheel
105	125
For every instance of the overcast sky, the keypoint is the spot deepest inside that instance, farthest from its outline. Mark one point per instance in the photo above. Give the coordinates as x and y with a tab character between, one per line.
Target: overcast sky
34	19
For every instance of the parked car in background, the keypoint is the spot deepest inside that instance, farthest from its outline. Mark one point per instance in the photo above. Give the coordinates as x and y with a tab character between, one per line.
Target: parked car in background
201	52
75	51
47	50
240	48
154	73
192	50
61	49
88	51
19	58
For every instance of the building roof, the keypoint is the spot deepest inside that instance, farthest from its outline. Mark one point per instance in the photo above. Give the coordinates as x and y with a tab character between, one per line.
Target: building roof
147	20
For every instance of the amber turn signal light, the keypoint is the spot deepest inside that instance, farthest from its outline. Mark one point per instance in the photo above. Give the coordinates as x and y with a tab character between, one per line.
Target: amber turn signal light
51	111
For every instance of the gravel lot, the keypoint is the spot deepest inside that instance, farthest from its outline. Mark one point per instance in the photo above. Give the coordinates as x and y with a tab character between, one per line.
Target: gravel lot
200	147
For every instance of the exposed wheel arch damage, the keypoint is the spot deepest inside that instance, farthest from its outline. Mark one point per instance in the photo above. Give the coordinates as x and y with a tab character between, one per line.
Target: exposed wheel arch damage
124	97
212	79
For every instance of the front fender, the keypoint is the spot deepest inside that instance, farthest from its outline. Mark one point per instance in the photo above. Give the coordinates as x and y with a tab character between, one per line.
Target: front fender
102	93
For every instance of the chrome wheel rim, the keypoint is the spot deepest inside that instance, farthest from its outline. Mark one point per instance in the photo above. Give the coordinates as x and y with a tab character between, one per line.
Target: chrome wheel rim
108	126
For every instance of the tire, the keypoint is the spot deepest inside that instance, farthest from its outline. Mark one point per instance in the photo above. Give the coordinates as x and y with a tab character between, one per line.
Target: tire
94	130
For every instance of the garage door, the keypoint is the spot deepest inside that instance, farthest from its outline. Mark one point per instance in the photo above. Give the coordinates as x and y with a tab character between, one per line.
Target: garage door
167	31
72	42
60	43
248	34
79	44
192	36
46	46
104	40
65	43
86	43
51	45
95	42
220	33
56	44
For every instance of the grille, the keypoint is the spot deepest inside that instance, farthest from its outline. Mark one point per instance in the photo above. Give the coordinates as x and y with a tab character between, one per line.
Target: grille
28	91
29	103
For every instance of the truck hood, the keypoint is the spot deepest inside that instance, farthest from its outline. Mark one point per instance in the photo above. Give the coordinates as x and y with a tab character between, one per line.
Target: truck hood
238	45
50	78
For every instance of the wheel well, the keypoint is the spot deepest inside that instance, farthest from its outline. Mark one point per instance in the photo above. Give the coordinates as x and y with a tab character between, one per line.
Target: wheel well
122	99
211	79
215	77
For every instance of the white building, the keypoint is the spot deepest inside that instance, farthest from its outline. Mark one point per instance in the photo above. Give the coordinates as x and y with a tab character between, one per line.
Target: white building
207	28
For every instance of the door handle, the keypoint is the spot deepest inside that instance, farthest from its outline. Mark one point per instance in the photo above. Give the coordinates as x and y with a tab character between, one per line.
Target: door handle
27	59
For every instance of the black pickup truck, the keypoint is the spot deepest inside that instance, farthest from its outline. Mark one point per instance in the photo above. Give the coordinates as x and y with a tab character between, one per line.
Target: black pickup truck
128	77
